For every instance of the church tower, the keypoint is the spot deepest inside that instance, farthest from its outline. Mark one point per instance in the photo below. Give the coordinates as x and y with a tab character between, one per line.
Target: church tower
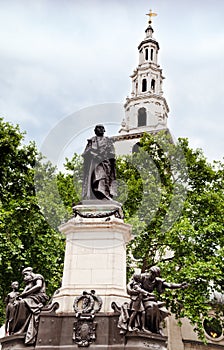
146	110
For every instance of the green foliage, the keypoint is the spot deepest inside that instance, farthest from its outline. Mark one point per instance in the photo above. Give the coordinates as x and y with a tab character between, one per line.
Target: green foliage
70	183
26	239
49	199
175	202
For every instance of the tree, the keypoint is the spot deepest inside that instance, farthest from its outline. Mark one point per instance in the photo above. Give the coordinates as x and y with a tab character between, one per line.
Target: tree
174	199
70	182
26	238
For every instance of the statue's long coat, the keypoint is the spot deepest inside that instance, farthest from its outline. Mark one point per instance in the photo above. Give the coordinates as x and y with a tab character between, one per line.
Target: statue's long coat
99	168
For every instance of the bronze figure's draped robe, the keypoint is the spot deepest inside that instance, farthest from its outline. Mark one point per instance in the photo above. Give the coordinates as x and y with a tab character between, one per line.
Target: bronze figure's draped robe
27	307
99	167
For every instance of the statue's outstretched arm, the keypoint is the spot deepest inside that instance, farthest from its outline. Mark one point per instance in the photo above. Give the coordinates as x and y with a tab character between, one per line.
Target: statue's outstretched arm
175	285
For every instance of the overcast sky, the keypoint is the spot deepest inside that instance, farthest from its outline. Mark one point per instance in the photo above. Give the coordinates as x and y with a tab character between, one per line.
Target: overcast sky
60	56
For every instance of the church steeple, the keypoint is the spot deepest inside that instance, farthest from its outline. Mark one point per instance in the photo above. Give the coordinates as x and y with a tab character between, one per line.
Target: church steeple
146	110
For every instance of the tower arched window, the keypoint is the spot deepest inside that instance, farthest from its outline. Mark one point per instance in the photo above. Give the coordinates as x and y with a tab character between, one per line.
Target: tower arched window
142	117
153	84
146	54
151	54
144	85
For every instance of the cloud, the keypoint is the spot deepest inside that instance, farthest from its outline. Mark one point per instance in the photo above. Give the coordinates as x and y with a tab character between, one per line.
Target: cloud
58	57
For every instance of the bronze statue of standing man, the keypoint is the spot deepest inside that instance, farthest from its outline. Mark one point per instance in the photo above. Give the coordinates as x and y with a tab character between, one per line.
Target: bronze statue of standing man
99	167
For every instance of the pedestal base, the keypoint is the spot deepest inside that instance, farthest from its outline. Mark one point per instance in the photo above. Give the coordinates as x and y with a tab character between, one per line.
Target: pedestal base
63	332
95	256
58	333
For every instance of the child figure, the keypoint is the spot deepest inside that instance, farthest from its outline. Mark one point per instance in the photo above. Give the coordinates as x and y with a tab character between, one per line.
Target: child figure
137	306
11	297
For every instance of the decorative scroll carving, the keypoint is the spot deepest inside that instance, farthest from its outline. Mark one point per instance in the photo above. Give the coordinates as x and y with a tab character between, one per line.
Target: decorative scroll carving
50	308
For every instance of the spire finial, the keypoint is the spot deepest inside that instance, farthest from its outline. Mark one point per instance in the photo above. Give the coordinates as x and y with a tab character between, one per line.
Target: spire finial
151	14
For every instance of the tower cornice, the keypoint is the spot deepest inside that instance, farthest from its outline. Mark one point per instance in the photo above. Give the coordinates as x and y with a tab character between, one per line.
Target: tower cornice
147	97
147	41
145	67
137	135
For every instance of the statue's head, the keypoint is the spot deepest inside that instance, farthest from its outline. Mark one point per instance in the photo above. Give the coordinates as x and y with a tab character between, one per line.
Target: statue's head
27	274
137	277
99	130
27	270
155	270
15	285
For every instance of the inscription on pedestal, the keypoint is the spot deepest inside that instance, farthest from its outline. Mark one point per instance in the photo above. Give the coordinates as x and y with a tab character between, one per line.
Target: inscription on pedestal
151	346
140	340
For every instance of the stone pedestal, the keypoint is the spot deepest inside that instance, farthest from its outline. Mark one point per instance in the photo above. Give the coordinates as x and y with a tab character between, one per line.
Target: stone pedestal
95	256
56	332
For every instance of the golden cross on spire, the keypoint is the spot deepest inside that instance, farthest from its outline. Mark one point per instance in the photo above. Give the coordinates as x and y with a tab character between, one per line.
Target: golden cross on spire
151	14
